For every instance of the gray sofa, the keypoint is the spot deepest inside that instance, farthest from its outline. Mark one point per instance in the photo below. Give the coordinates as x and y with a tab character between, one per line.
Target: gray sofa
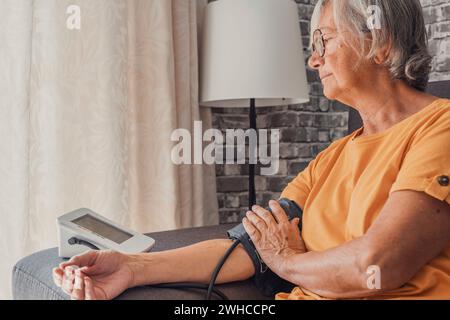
32	278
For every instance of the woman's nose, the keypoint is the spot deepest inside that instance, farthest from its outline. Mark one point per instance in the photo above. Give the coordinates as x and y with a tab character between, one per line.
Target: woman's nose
315	61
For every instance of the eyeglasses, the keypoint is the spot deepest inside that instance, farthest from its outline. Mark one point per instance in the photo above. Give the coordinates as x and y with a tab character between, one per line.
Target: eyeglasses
318	44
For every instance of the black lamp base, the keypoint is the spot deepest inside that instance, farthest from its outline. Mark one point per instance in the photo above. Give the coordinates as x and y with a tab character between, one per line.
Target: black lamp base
251	166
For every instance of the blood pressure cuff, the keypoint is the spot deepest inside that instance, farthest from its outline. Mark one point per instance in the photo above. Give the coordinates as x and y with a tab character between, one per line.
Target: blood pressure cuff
267	282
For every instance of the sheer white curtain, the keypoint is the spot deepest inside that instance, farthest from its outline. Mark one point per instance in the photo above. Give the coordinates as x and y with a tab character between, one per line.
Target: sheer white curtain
86	117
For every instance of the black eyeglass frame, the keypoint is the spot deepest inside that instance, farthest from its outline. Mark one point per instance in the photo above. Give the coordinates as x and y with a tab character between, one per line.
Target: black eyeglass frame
322	43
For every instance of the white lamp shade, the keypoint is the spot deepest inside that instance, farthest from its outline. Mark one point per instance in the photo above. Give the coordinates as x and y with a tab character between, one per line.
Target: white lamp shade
252	49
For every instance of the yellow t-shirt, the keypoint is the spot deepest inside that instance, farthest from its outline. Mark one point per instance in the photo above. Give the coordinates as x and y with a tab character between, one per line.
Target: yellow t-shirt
344	188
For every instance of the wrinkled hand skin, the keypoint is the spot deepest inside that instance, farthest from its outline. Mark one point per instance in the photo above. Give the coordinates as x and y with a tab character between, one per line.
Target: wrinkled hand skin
274	236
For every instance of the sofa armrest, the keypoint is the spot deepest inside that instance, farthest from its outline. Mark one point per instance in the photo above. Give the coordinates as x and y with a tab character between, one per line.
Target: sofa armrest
32	278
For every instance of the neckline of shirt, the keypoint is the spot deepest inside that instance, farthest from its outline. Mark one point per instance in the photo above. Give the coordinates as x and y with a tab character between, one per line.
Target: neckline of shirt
375	136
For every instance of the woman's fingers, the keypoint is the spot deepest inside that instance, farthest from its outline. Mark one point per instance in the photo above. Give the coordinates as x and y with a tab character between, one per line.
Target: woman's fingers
78	287
73	261
74	283
89	293
251	230
295	222
58	276
264	215
68	280
278	211
84	259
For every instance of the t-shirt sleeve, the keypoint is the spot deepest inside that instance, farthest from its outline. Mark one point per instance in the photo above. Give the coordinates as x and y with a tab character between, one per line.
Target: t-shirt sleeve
426	166
299	188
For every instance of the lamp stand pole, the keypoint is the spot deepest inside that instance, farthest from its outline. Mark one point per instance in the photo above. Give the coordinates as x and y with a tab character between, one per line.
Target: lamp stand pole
251	166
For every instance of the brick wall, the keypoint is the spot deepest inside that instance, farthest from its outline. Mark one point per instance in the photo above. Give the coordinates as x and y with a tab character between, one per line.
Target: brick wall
308	128
437	19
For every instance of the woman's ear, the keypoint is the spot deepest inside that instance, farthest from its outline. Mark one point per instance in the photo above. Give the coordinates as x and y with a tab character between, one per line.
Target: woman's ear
383	53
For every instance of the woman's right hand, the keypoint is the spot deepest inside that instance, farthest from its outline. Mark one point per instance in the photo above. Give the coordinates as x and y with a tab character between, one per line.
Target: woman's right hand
94	275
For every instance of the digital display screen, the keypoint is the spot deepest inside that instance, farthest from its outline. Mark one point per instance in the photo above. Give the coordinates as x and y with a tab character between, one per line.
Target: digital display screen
102	228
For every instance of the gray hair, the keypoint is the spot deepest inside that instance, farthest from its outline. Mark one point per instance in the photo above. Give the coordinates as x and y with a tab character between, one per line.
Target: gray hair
402	27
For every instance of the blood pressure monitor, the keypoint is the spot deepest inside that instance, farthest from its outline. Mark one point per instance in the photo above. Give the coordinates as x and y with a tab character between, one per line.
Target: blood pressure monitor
83	229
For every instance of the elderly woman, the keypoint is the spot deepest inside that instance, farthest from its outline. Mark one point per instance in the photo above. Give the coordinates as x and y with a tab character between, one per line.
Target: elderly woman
376	202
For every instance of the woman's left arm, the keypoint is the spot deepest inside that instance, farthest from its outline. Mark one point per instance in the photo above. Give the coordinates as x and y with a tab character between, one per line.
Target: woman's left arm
411	229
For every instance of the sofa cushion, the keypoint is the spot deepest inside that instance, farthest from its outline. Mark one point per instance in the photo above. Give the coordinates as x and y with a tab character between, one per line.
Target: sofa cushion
32	278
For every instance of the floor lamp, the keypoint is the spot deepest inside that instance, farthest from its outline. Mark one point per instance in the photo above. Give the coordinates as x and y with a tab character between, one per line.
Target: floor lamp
251	56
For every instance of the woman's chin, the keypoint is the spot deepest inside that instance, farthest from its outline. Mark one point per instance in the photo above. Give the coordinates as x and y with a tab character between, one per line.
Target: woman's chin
330	92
